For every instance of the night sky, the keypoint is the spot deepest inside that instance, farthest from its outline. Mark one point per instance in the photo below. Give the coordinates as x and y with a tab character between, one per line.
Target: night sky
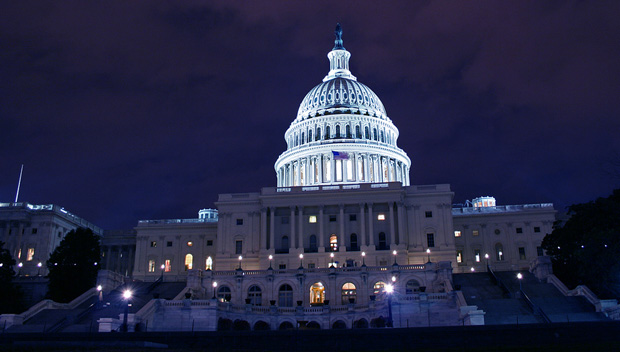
128	110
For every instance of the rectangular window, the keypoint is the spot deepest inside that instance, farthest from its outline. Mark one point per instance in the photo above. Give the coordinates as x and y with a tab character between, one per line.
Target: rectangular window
238	247
34	231
457	233
284	220
311	265
169	244
151	266
30	254
282	266
477	255
353	217
382	262
312	219
332	218
153	244
459	255
522	253
209	242
519	230
539	251
168	265
536	229
239	221
475	233
338	170
430	240
428	214
381	217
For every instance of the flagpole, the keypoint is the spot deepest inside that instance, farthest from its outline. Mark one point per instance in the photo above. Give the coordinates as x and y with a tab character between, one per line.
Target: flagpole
19	183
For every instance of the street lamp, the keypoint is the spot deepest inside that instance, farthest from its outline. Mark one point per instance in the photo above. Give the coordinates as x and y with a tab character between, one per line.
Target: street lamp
389	289
486	256
214	287
100	294
428	253
162	273
240	259
472	269
39	268
332	256
394	252
126	296
363	258
301	261
270	259
20	265
520	276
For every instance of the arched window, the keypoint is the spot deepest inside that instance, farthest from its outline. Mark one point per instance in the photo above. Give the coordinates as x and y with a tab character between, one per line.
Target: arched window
255	295
348	293
348	131
312	243
285	296
209	263
412	286
303	137
318	133
223	294
366	132
317	293
382	242
382	137
379	290
358	133
499	252
327	132
333	243
337	131
374	134
309	136
296	140
189	261
354	244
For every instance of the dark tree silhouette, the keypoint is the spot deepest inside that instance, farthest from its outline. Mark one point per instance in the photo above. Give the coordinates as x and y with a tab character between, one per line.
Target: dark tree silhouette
585	250
10	294
73	265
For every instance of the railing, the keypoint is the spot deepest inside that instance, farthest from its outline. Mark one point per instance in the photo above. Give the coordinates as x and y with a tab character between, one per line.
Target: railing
317	270
534	307
176	221
497	281
501	208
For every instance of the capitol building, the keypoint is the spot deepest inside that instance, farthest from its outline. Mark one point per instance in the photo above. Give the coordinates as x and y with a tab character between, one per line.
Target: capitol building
344	239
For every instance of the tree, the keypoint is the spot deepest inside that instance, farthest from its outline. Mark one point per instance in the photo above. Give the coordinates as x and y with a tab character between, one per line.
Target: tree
586	249
73	265
10	294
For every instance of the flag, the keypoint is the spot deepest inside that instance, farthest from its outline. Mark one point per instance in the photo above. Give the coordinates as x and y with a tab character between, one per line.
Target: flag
340	155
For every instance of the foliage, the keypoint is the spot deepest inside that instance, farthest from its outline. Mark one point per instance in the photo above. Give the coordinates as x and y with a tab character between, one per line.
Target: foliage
10	294
586	249
73	265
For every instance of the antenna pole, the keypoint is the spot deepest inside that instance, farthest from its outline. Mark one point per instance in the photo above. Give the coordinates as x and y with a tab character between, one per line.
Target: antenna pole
19	183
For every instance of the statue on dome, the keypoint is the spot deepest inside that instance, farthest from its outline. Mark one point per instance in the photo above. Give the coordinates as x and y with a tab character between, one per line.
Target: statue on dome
338	40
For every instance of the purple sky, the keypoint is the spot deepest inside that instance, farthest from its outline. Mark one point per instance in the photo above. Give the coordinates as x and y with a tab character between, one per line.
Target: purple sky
128	110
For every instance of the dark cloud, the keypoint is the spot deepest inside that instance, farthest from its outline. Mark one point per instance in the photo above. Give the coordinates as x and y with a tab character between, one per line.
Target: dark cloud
148	109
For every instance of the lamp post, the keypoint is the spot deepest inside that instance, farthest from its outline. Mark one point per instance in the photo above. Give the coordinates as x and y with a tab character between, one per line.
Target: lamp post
20	265
472	269
389	289
332	260
39	268
270	259
161	278
240	259
363	258
428	253
301	261
100	297
394	253
126	296
214	287
486	256
520	276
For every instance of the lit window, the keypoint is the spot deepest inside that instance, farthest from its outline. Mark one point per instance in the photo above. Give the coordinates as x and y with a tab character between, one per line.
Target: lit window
459	255
19	254
312	219
381	217
153	244
379	290
224	294
338	170
30	254
349	293
189	261
317	293
190	243
475	233
168	265
209	263
457	233
477	255
151	266
333	243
